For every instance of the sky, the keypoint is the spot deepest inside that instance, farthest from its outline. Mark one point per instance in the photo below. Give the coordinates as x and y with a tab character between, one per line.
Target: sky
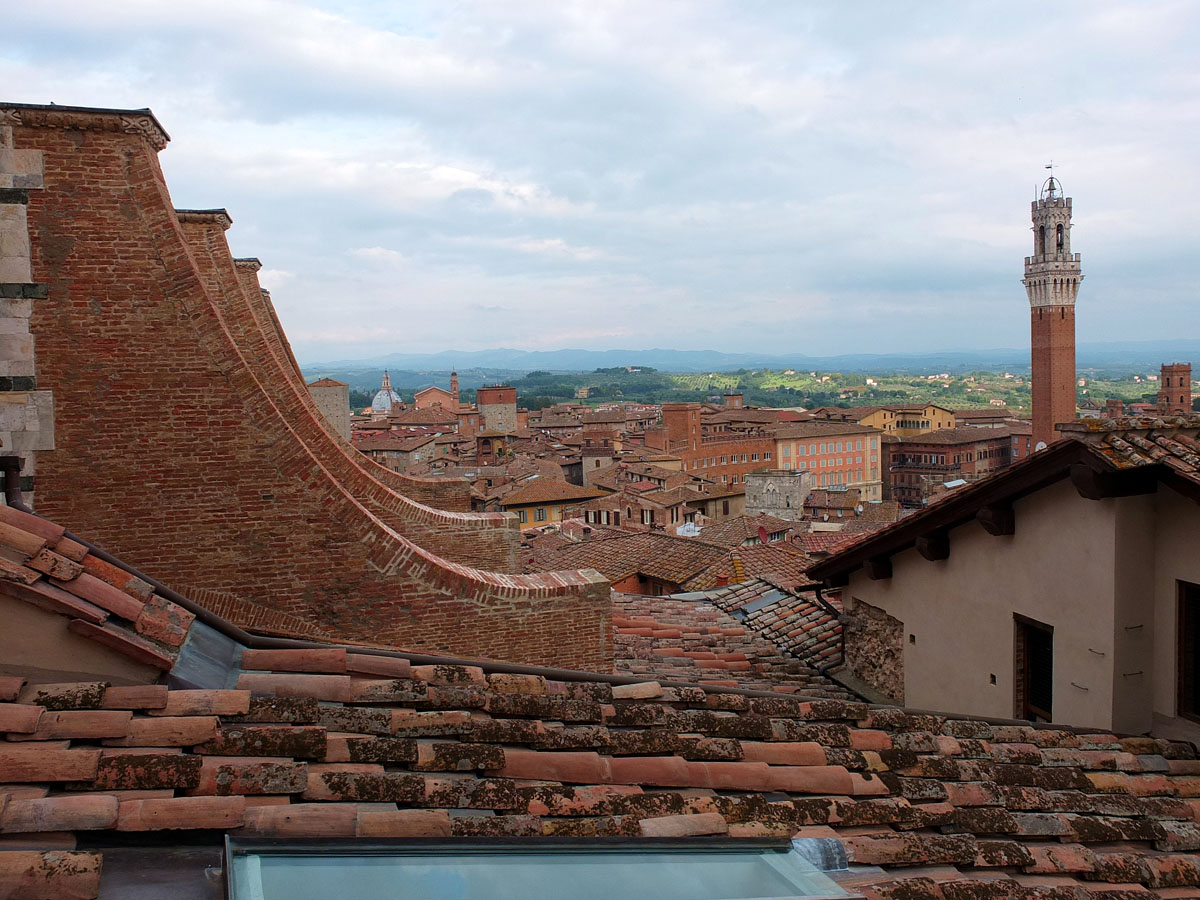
809	177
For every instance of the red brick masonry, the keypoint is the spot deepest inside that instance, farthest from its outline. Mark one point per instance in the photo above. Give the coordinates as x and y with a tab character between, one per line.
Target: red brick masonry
175	455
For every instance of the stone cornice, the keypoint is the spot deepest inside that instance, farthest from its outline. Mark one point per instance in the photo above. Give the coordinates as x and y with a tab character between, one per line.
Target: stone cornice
248	262
205	217
84	118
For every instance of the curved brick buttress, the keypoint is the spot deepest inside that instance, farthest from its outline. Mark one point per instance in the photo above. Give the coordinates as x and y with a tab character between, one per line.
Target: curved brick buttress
173	457
439	492
487	540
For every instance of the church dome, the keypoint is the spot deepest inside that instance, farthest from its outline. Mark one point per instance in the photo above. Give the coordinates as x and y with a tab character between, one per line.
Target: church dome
384	399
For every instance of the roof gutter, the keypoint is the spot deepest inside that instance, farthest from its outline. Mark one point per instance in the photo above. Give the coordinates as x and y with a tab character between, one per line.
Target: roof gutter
12	497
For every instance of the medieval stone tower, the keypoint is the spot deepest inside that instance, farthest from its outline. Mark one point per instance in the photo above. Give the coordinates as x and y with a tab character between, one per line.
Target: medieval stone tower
1052	277
1175	389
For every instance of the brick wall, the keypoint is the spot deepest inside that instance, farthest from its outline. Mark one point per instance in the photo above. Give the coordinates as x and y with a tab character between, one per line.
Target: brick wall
1053	357
173	456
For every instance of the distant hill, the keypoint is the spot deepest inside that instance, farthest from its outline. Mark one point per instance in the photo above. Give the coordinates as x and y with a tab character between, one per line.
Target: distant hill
1113	355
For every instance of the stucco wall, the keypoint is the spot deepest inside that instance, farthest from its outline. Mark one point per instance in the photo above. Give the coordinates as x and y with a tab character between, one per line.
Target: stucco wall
1176	558
1058	569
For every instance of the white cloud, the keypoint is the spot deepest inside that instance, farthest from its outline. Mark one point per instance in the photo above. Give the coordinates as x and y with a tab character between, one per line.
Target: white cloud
823	177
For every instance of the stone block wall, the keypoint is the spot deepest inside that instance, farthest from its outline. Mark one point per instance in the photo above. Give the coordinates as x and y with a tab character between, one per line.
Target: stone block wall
26	414
874	647
174	455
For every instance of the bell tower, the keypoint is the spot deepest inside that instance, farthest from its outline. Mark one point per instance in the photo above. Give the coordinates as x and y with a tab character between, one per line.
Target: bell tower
1052	277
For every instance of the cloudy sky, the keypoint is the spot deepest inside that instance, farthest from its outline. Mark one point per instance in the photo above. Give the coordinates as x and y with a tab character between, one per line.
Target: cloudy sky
786	176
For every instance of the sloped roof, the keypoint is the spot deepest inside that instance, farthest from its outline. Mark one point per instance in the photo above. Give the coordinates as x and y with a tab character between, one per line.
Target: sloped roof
691	638
39	565
960	434
795	621
431	415
731	532
817	428
650	553
328	382
1167	449
546	490
825	499
336	742
781	563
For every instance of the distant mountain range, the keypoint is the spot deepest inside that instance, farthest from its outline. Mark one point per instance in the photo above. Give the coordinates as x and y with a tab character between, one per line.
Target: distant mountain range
1114	355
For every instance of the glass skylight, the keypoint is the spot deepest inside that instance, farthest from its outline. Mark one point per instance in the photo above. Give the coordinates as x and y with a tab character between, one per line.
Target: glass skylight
630	871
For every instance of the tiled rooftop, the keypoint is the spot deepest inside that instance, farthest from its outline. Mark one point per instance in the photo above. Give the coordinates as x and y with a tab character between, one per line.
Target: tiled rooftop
653	554
733	531
337	742
1172	441
331	744
40	566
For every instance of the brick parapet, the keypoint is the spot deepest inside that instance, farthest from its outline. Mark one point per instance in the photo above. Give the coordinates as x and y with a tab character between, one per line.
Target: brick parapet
172	456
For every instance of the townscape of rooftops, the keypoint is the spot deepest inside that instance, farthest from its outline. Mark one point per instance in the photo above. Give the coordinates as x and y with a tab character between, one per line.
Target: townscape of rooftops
944	647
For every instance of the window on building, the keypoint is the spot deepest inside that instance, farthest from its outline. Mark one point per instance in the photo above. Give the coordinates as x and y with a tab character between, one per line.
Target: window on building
724	507
724	478
616	517
858	445
1034	668
647	516
874	445
522	516
539	514
767	454
1188	668
754	457
786	450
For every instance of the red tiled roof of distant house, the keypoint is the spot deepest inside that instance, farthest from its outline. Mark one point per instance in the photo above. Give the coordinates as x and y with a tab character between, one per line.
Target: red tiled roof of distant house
433	415
545	490
823	541
328	382
779	562
395	441
961	434
733	531
792	415
342	742
649	553
823	499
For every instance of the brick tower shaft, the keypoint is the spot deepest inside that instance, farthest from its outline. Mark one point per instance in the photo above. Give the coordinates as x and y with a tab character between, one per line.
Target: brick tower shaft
1052	278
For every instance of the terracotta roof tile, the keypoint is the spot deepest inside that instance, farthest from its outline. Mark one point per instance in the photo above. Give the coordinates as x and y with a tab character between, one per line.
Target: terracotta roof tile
331	742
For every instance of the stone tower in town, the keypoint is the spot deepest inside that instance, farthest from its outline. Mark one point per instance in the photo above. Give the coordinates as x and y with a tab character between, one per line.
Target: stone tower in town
1175	389
454	391
1052	277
